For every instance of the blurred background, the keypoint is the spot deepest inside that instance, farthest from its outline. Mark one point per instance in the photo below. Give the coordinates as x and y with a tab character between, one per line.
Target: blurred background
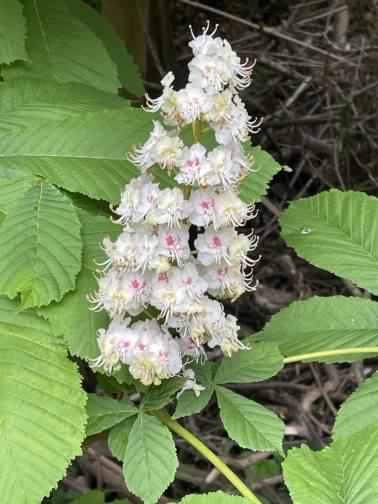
316	85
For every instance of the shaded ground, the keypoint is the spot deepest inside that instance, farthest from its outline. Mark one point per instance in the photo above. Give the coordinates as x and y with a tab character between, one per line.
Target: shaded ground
316	84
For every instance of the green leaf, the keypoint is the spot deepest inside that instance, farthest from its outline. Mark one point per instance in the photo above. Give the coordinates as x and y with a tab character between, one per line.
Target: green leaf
119	436
105	412
85	153
93	497
40	255
345	473
26	102
12	32
248	423
213	498
128	72
336	231
62	47
150	462
190	404
360	411
42	407
13	185
320	324
259	363
158	397
72	317
256	184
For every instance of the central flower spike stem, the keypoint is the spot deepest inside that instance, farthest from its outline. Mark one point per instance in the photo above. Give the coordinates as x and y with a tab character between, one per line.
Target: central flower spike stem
197	130
210	455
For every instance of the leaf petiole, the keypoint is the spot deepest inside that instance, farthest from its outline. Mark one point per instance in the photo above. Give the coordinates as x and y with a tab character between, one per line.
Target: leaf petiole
330	353
209	454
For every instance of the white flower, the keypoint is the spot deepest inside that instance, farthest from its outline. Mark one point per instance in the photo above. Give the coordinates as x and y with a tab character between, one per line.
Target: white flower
215	60
204	43
191	164
167	96
134	250
227	338
120	293
190	384
220	105
214	246
198	328
231	210
191	103
227	282
156	355
209	73
170	208
240	248
236	125
241	72
176	291
174	243
223	169
203	207
137	200
145	156
162	147
109	345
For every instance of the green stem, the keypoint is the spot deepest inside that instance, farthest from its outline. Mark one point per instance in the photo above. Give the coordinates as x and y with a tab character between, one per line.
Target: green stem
210	455
197	130
331	353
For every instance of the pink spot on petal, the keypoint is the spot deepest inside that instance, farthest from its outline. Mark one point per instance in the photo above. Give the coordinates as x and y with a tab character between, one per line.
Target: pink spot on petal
216	241
207	204
136	284
170	241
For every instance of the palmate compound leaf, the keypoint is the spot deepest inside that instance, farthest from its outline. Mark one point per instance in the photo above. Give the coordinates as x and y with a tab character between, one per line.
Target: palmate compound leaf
12	32
359	411
42	407
324	323
81	151
72	317
128	72
62	47
336	231
150	460
40	254
344	473
248	423
105	412
260	362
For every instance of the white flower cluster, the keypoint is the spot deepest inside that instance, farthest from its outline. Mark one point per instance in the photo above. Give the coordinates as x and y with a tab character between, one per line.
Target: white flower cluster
179	246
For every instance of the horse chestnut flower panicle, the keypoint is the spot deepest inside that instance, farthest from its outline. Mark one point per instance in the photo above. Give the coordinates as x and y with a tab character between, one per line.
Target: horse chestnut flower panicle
180	245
